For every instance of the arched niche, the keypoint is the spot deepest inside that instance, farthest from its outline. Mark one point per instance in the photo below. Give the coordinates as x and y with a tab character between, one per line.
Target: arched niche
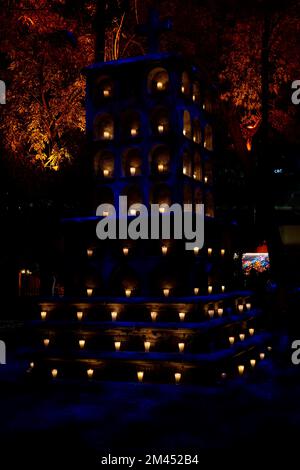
104	88
208	171
104	195
187	163
134	195
104	127
197	131
187	124
160	160
209	204
160	121
131	124
187	194
208	136
104	164
185	84
198	196
158	80
132	162
197	167
161	194
123	278
196	92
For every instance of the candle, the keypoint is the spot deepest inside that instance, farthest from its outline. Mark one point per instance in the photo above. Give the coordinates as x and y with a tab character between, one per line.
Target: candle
222	252
211	313
210	289
251	331
106	93
43	315
128	292
177	377
220	312
117	345
160	167
252	362
106	135
31	365
90	373
166	292
147	345
196	250
223	375
184	170
89	292
184	132
162	210
134	132
182	89
240	308
181	347
89	252
223	288
140	376
159	85
241	369
205	179
79	316
153	316
161	129
125	250
132	170
209	251
54	373
194	97
81	343
114	315
164	249
231	340
46	342
182	316
262	356
105	213
196	290
248	306
242	336
105	173
132	211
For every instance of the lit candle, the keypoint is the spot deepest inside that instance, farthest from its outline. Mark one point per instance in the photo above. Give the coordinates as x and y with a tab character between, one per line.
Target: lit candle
209	251
223	288
90	373
231	340
46	342
196	250
161	129
159	85
43	315
54	373
196	290
31	365
140	376
205	179
177	377
125	251
128	292
105	213
184	170
262	356
252	362
132	170
194	97
153	316
182	89
220	312
241	308
160	167
106	93
184	132
211	313
162	210
166	292
106	135
222	252
117	345
89	252
133	132
89	292
242	336
105	173
223	375
114	315
181	347
81	343
182	316
241	369
132	211
251	331
164	250
269	348
248	306
210	289
79	316
147	345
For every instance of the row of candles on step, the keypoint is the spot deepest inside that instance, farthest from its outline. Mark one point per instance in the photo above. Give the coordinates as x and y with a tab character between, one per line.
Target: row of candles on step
182	315
166	291
164	251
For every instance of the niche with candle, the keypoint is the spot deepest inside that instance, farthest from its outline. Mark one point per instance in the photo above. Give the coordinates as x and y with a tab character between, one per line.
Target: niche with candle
130	124
103	127
196	93
197	166
160	121
134	195
104	163
103	89
104	195
208	137
124	282
187	163
158	80
187	124
132	162
187	194
185	84
197	138
208	171
160	160
209	204
161	194
198	196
